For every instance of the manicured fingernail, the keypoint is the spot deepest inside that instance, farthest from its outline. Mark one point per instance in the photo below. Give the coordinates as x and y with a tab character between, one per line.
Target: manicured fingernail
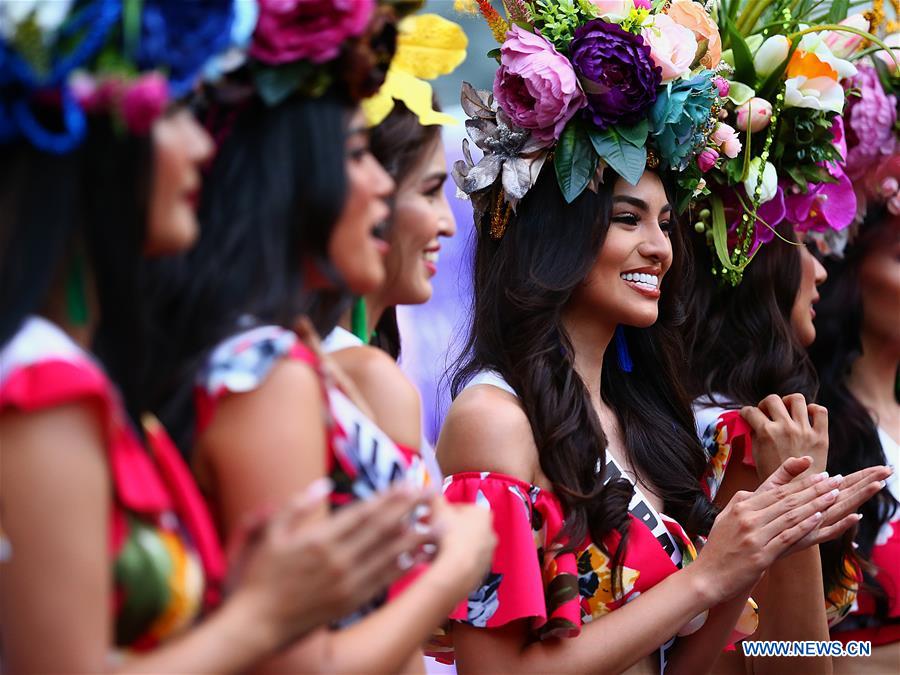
858	517
819	477
817	516
833	494
405	561
319	488
836	480
881	484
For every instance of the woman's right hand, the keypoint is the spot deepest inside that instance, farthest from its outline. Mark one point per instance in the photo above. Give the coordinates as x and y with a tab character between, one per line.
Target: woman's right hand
466	545
297	572
756	528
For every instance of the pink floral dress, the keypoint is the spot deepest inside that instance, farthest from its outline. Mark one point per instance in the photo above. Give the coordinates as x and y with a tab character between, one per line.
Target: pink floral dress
557	591
165	557
361	459
862	624
725	435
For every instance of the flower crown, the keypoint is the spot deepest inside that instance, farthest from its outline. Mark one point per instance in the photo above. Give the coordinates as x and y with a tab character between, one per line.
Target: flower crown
127	58
740	99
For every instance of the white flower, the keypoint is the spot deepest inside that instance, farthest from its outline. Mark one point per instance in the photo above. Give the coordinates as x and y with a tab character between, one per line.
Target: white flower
771	54
48	14
817	93
769	180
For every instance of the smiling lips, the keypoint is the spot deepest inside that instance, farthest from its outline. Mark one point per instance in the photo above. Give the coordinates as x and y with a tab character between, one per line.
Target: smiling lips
647	284
430	256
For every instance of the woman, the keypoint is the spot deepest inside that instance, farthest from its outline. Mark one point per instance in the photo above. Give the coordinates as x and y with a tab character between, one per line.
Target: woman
413	155
135	559
856	354
291	209
747	347
540	393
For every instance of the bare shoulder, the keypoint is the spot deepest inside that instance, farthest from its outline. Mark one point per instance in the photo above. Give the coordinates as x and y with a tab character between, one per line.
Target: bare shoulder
392	397
487	430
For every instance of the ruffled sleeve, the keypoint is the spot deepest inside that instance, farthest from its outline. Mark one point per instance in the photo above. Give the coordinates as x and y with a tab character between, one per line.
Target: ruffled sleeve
241	364
726	436
529	577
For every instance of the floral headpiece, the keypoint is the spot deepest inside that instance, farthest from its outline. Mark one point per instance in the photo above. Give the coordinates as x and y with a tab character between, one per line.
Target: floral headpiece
592	84
785	97
123	57
741	99
374	51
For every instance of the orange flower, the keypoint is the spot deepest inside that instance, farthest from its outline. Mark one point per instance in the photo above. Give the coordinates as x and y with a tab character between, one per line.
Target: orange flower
809	65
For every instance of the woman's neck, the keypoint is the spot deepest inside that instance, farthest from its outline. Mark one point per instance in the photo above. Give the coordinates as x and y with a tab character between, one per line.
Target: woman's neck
590	339
872	377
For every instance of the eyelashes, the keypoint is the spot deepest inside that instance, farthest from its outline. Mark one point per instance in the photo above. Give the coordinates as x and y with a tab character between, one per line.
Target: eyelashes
632	219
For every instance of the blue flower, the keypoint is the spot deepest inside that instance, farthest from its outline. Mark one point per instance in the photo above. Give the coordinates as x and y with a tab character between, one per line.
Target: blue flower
180	37
681	117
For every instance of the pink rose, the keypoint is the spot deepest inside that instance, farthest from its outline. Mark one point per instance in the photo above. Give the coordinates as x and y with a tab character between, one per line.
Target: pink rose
726	138
707	159
672	46
536	85
755	114
691	15
143	101
314	30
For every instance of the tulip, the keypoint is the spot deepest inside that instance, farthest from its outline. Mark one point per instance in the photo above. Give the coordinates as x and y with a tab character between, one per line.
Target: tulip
771	54
769	180
843	44
707	159
755	114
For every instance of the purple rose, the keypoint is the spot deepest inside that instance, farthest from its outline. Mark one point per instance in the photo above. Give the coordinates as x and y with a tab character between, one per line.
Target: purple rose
616	71
314	30
869	122
535	85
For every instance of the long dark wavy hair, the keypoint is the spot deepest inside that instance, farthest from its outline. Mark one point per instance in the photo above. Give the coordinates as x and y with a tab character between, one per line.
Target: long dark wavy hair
82	216
742	347
269	204
399	143
522	284
852	433
740	341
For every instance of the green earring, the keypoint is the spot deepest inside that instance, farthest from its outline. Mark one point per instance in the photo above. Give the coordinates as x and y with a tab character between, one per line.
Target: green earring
359	322
76	293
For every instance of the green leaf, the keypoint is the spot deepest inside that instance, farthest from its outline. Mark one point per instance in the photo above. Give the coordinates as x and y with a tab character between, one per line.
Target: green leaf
624	158
743	59
839	9
720	233
494	53
575	161
797	176
636	135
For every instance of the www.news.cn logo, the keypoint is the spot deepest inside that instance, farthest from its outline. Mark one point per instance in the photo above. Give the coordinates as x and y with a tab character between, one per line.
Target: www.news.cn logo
831	648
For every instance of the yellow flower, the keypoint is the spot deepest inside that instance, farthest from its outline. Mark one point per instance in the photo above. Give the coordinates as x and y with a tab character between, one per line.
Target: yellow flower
428	46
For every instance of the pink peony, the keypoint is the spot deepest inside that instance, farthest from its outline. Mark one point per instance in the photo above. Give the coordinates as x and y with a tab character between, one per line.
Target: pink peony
314	30
707	159
143	101
536	85
755	114
869	123
727	139
672	46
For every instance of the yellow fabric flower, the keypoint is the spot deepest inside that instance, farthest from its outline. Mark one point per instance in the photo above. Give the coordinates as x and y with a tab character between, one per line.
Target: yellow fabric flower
428	46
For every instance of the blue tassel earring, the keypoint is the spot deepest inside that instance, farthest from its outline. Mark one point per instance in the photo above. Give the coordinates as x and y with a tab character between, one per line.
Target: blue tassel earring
622	350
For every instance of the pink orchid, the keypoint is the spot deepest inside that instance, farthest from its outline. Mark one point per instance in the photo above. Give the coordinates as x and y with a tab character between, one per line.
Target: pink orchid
824	205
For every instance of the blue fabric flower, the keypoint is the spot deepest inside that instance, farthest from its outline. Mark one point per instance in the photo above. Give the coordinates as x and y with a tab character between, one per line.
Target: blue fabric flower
681	117
181	37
